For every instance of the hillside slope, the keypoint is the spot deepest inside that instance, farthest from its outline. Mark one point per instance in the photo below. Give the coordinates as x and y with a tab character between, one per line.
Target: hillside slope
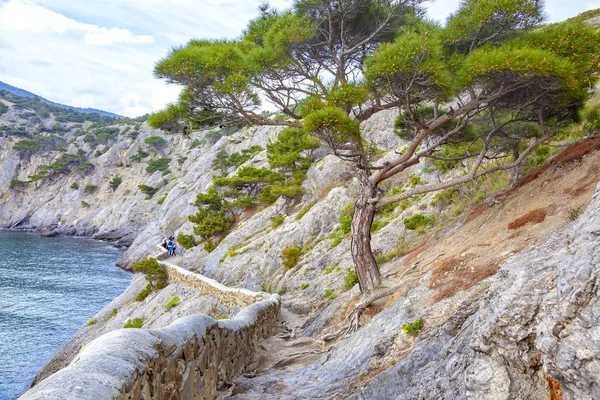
464	277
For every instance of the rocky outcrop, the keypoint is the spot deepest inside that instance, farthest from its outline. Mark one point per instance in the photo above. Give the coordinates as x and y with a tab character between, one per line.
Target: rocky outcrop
534	333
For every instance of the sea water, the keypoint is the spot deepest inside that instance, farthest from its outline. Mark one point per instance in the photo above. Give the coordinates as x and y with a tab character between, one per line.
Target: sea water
49	288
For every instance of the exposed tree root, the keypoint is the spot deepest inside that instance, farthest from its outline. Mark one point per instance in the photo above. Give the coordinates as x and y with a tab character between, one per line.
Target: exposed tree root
354	319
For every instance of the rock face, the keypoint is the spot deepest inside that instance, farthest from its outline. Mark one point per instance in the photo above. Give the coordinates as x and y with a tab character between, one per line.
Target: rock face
529	332
536	330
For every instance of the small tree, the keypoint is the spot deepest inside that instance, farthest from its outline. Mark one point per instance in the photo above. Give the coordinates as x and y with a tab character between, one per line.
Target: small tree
328	65
115	182
156	142
155	274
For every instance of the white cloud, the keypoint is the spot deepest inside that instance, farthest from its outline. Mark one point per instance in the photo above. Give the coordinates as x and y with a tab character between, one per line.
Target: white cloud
22	16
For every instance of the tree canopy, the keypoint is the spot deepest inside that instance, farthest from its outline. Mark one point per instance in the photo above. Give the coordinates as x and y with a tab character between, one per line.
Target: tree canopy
487	77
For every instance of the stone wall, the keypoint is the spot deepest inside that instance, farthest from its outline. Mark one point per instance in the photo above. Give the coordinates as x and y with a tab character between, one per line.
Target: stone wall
226	295
189	359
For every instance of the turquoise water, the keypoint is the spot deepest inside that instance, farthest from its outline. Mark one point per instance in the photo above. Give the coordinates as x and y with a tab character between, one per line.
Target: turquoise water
49	288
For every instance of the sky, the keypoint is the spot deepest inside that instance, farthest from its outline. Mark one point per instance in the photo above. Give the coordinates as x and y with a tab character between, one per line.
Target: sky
101	53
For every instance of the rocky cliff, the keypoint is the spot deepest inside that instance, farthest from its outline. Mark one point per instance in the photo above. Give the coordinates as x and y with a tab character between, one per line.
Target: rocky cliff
505	289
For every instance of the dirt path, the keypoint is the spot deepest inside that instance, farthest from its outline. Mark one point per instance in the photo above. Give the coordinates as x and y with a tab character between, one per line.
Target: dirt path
286	351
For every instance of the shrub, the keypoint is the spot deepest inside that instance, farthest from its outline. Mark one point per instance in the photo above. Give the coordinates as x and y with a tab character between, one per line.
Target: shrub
304	285
148	190
187	241
417	222
282	291
574	213
17	184
161	200
172	303
85	204
115	182
155	141
91	322
141	154
414	180
329	269
75	186
290	256
134	323
112	314
85	167
336	238
155	274
159	164
413	328
195	143
351	278
89	188
221	317
141	296
277	220
209	246
329	295
305	210
346	219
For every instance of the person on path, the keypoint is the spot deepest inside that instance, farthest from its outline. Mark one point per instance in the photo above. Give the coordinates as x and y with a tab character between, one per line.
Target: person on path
174	248
170	247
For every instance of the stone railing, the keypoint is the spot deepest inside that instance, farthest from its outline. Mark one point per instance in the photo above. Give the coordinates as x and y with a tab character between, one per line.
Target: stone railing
226	295
189	359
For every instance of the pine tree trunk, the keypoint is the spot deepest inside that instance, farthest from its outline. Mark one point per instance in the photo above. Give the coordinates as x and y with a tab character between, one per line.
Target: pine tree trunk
364	261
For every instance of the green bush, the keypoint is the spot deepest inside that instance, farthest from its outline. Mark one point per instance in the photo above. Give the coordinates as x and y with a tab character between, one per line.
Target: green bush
141	154
413	328
141	296
18	185
172	303
351	278
186	241
336	238
305	210
416	180
155	274
282	291
290	256
85	204
195	143
89	188
91	322
85	167
148	191
304	285
346	219
155	141
134	323
417	222
159	164
277	220
110	316
329	295
115	182
209	246
574	213
161	200
75	186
